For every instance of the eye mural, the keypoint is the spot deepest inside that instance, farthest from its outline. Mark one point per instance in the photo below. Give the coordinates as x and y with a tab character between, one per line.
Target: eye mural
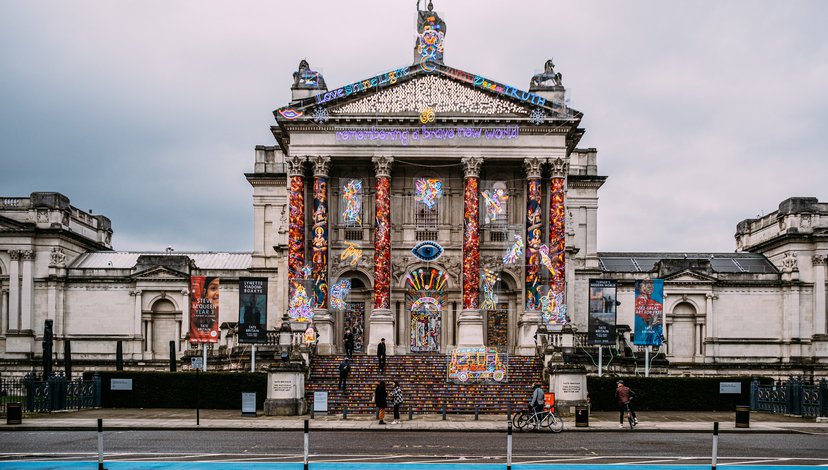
425	297
557	253
533	243
427	191
319	243
352	197
427	251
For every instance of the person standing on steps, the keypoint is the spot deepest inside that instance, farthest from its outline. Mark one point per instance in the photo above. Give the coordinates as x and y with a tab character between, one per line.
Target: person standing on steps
349	343
344	370
396	401
381	355
381	400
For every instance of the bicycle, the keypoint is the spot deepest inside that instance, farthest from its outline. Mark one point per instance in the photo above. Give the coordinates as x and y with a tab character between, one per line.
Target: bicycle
630	417
523	420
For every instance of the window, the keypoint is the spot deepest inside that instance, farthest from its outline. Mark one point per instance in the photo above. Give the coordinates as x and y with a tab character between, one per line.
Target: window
427	194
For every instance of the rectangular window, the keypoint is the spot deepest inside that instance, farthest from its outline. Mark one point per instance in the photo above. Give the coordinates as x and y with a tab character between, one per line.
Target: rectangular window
427	194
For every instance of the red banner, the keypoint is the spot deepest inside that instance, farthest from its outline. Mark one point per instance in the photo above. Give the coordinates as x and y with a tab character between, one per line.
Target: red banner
204	309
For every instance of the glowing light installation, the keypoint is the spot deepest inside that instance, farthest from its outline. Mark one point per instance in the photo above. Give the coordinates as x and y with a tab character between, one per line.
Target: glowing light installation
382	234
319	242
471	240
296	224
557	242
489	279
339	292
352	196
515	252
495	202
533	233
427	191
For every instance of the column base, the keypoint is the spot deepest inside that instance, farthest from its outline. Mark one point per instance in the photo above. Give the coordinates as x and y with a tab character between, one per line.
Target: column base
381	325
470	329
325	326
527	326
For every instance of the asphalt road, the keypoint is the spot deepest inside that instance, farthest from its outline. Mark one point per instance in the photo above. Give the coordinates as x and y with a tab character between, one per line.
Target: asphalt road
390	446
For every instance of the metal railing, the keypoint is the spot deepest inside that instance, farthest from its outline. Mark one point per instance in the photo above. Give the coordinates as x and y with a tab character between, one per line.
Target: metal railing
57	393
793	397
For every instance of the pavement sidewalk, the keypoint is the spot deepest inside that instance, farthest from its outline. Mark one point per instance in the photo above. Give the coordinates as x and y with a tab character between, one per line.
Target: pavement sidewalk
168	419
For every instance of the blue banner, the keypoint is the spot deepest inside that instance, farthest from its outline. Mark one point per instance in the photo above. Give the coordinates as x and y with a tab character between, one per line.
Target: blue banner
649	312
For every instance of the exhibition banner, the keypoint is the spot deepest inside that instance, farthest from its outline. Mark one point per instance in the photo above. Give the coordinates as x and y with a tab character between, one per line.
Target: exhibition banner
602	313
204	309
253	310
649	312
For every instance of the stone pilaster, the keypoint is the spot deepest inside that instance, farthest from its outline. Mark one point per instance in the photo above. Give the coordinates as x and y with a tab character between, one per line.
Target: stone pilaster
470	323
14	290
27	290
381	321
820	321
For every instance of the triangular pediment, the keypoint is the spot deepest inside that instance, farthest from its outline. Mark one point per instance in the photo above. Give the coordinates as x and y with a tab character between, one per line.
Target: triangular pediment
408	91
441	94
689	277
160	273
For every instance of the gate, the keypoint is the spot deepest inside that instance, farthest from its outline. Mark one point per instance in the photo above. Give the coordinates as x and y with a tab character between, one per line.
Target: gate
57	393
792	397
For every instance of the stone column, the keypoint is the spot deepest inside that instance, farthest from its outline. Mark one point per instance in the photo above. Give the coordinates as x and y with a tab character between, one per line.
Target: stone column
531	316
470	323
296	223
14	291
319	258
381	321
819	295
27	291
557	313
4	311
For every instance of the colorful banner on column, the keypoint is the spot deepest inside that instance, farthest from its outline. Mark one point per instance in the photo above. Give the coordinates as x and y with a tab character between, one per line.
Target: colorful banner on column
204	309
602	313
533	243
253	310
471	246
382	245
319	242
296	232
649	312
556	252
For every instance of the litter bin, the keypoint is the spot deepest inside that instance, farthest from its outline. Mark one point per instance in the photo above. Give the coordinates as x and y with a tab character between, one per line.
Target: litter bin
581	416
14	413
742	416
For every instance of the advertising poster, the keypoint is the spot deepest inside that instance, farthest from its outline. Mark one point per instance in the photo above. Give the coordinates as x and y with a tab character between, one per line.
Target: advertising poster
649	312
252	310
602	313
204	309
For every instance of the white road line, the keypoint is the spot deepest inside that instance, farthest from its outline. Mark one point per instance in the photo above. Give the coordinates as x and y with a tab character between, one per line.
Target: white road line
557	460
750	462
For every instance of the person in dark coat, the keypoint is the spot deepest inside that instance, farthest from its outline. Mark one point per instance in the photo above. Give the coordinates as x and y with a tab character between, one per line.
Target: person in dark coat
349	343
381	400
344	370
624	395
381	355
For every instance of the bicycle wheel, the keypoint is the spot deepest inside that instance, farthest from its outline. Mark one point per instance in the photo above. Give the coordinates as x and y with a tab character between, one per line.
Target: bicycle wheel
520	421
631	420
553	422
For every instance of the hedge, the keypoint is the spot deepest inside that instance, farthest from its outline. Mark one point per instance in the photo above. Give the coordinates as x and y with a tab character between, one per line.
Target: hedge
216	390
670	393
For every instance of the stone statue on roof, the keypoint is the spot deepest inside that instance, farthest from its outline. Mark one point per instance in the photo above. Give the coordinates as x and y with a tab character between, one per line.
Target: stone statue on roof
431	29
547	79
307	78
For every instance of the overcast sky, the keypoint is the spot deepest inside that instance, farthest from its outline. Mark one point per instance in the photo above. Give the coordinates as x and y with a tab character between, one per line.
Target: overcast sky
704	113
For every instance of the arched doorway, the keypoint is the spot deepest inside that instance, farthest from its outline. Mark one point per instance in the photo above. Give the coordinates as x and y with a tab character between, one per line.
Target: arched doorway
683	333
425	300
165	325
353	315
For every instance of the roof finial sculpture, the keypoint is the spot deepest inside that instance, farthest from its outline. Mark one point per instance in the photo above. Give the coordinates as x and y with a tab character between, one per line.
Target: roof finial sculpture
431	29
546	80
304	77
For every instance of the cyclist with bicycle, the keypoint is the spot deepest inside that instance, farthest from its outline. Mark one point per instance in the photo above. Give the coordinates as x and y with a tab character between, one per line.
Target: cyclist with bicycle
624	395
536	402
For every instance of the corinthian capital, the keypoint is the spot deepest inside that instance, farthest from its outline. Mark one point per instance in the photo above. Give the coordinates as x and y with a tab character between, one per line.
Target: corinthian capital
818	260
14	255
28	255
382	165
296	165
532	165
321	165
560	167
471	166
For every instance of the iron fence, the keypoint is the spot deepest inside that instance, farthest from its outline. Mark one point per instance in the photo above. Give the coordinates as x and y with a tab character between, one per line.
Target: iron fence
56	393
793	397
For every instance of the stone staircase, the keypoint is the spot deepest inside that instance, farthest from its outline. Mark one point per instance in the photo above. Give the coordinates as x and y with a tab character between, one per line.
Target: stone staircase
423	382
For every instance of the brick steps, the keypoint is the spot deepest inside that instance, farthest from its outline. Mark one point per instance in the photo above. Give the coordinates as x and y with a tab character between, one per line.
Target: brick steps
423	381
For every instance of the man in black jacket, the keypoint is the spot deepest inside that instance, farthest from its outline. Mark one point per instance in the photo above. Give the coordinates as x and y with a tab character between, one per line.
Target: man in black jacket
381	355
344	370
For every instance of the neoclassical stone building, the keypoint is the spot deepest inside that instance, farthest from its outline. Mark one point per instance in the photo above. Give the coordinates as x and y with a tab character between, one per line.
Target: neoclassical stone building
460	211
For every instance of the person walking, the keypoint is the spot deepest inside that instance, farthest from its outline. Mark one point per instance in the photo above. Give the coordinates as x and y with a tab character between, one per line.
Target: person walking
349	343
396	401
344	370
624	395
381	355
381	400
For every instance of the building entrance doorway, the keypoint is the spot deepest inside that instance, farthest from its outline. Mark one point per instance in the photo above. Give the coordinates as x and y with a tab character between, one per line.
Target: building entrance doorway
425	298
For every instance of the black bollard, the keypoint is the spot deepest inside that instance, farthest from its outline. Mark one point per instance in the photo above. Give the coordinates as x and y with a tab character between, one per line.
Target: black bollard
715	444
509	412
509	446
306	444
410	413
172	356
67	359
100	444
444	412
344	412
476	412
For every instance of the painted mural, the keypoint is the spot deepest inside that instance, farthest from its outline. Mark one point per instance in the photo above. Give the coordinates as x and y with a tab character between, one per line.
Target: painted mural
471	246
296	232
477	364
319	243
382	245
556	253
425	298
534	226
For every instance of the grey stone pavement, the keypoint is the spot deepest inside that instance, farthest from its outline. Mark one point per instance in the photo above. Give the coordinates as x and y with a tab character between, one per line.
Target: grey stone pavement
164	419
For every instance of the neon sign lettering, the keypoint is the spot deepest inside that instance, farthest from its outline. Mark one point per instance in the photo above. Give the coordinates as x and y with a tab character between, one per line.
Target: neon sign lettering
388	78
491	85
405	136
